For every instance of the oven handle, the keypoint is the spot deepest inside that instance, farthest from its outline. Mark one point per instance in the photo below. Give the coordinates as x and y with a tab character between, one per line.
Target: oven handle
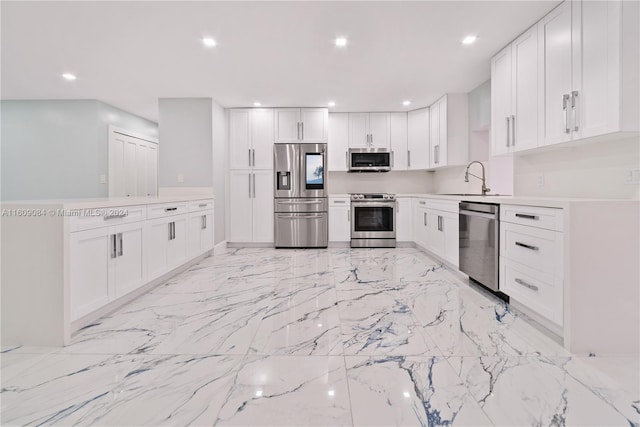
373	205
480	214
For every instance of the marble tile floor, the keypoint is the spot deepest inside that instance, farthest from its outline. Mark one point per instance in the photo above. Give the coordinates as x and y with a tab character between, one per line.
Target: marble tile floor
366	337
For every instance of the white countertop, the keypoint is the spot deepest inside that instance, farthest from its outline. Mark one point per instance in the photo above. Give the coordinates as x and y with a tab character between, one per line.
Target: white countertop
550	202
107	202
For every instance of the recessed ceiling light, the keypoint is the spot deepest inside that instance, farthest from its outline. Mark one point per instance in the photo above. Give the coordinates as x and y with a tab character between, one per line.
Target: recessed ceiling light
331	393
209	42
469	39
69	76
341	42
331	104
407	102
256	104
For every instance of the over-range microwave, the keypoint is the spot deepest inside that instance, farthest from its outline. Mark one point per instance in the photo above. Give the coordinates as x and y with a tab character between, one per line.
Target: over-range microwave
370	160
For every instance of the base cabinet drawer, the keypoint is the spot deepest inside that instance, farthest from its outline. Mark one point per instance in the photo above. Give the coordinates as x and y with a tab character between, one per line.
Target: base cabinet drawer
536	248
540	292
533	216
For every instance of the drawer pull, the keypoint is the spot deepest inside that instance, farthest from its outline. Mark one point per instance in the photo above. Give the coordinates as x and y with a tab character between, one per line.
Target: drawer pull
202	205
525	216
526	285
170	209
524	245
339	201
422	202
114	216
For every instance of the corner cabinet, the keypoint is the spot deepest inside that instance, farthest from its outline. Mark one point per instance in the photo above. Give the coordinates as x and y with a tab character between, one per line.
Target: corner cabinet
301	125
449	131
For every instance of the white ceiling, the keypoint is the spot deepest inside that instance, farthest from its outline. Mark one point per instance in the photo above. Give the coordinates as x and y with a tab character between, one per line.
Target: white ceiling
129	54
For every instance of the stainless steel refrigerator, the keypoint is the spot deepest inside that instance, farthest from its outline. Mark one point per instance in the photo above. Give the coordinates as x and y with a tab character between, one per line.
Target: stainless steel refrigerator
300	196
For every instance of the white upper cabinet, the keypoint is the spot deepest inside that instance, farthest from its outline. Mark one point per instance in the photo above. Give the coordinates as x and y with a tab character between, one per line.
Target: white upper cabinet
251	138
369	130
514	77
398	140
418	139
449	130
301	125
338	144
590	70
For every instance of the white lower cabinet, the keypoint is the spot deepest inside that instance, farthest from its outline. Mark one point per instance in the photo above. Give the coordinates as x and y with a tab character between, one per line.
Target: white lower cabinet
435	228
404	219
420	222
106	263
251	206
531	259
200	238
167	243
339	219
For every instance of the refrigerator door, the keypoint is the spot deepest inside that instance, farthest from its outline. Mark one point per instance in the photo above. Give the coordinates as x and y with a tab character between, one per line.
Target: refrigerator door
301	230
313	170
286	169
301	205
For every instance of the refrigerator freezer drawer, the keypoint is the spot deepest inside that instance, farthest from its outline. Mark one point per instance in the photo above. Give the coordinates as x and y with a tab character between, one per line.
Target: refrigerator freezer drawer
301	230
301	205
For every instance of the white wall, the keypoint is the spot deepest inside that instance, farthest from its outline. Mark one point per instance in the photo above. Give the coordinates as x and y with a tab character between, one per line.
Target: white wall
397	182
57	149
219	124
592	170
185	142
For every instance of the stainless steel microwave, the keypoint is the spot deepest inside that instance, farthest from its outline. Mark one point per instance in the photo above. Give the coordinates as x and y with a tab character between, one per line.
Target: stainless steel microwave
370	160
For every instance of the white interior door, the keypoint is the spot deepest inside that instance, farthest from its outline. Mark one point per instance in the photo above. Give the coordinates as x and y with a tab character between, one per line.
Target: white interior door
133	164
130	165
129	265
116	165
141	169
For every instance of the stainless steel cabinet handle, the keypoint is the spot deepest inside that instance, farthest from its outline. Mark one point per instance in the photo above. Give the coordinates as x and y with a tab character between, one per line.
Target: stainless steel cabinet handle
298	130
524	245
121	249
526	216
440	223
204	222
508	130
170	209
249	185
526	285
574	108
335	201
113	245
513	131
107	217
249	150
425	218
408	158
253	157
422	202
565	101
174	229
254	185
302	126
202	205
170	231
371	138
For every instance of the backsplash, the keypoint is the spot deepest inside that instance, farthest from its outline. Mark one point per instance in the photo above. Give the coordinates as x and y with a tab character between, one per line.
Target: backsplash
385	182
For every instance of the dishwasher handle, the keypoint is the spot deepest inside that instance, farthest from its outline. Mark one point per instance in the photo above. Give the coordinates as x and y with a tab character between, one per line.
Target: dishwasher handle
480	214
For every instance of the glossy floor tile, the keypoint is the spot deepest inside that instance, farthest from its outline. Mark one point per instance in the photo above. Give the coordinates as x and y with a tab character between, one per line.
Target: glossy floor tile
366	337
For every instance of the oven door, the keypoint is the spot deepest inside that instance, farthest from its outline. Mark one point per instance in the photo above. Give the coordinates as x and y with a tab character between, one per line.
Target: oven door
373	220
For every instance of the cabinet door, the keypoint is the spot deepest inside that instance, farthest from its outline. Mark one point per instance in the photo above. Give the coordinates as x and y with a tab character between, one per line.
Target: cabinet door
177	248
152	170
418	139
554	34
398	140
207	237
262	138
379	130
156	243
315	124
262	210
524	93
420	223
338	144
90	255
451	238
240	206
286	124
239	138
194	235
129	264
358	130
501	102
435	238
339	223
443	133
404	220
434	133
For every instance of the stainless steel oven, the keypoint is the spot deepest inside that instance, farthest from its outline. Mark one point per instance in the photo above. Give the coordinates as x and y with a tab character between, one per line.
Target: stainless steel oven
373	221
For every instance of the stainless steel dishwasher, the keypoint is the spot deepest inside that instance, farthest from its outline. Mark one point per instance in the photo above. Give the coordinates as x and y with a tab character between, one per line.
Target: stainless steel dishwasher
479	242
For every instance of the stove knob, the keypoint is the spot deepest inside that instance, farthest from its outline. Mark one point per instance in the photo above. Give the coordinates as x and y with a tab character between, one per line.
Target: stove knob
392	196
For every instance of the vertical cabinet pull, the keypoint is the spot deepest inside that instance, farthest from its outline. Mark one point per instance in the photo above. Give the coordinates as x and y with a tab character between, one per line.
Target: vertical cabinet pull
120	248
249	150
565	102
253	157
508	130
249	185
170	232
112	237
408	158
425	218
254	184
574	109
513	131
302	127
203	222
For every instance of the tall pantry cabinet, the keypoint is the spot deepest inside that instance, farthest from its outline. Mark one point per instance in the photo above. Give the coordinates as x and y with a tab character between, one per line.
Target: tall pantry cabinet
251	136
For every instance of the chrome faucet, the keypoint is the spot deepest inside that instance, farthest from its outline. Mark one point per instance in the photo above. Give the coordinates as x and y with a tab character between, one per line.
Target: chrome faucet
485	189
